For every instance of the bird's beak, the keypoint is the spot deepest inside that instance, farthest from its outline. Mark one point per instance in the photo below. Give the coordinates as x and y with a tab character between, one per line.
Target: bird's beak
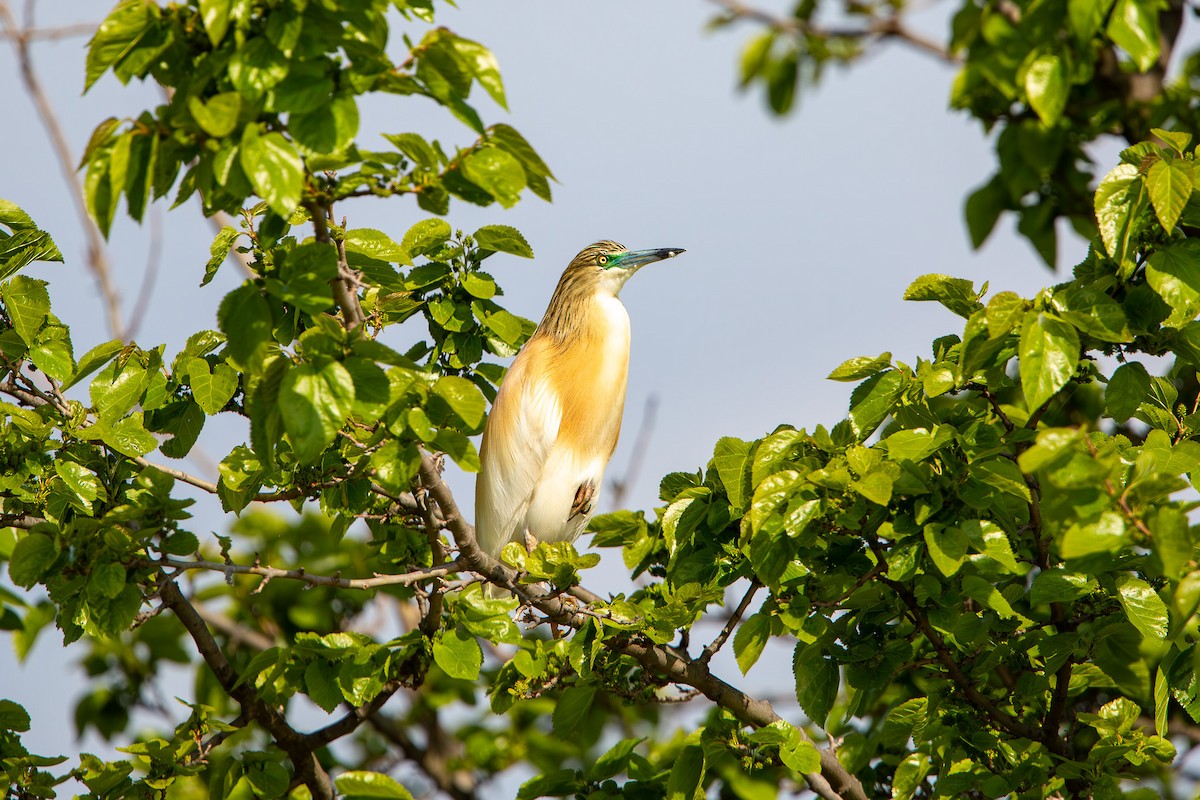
636	259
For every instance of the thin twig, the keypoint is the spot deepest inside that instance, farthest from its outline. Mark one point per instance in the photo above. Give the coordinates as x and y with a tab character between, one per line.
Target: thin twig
29	34
304	760
149	277
641	444
879	29
734	618
344	293
271	573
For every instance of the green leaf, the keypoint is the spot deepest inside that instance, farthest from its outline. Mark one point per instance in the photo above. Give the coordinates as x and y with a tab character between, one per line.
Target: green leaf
378	245
245	319
614	761
559	783
1143	606
947	547
274	169
464	398
218	252
855	369
83	484
117	36
13	717
572	709
1046	87
750	639
1169	184
329	128
817	681
415	147
314	403
497	172
686	781
1049	353
875	486
426	236
484	67
1126	390
916	444
320	684
215	14
502	239
51	353
127	436
873	400
1004	312
983	209
93	360
1174	273
1105	536
107	580
987	594
218	115
1093	312
1117	198
1134	27
729	460
31	558
1176	140
1060	586
211	390
770	494
361	783
458	654
28	303
956	294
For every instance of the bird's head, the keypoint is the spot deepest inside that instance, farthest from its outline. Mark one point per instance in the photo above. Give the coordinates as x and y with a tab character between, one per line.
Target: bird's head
610	264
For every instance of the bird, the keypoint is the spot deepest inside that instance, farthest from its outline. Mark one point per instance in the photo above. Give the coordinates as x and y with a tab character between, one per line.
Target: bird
557	415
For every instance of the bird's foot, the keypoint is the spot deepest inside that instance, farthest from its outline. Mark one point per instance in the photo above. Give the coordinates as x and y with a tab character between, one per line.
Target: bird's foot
530	542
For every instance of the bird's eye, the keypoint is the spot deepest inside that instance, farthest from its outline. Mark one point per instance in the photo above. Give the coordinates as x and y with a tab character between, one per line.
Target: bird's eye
602	260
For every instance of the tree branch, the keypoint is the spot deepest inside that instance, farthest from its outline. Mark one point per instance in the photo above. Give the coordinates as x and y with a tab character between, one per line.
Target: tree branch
876	29
459	784
833	783
734	618
336	581
308	769
344	293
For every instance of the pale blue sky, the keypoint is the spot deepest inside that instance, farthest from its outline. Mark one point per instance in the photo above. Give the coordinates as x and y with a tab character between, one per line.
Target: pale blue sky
801	233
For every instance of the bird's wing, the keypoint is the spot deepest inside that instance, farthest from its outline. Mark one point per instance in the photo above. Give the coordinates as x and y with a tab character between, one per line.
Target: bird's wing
520	433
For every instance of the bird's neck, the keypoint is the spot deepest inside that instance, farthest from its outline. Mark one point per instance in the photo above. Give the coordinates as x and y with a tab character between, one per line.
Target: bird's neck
578	310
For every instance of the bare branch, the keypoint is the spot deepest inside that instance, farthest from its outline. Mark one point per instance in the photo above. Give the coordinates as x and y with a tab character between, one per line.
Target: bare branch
344	293
458	783
734	618
308	768
50	34
641	443
875	30
834	782
149	277
338	582
97	251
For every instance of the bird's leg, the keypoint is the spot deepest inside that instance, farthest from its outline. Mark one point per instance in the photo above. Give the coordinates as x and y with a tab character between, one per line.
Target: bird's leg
584	497
530	541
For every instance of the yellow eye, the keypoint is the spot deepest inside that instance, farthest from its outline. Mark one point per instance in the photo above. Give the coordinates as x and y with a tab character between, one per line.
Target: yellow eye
602	260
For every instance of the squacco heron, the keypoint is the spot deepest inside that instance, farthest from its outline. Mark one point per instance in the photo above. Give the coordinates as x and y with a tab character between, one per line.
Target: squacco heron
557	416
